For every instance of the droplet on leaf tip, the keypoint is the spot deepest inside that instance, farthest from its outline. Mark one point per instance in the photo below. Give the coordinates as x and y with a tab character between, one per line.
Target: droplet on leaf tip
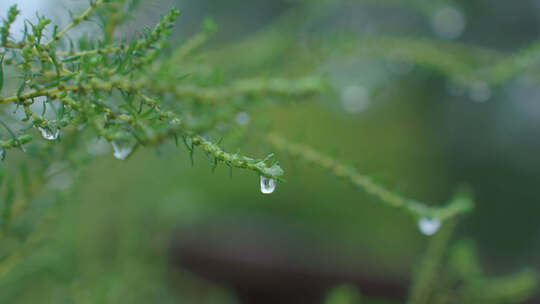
429	226
268	185
121	149
49	133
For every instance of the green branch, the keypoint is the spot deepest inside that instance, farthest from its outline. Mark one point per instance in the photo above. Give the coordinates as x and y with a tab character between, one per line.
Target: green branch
364	183
426	275
84	16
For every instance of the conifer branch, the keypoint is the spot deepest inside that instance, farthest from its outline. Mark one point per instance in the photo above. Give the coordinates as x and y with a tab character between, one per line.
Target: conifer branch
305	153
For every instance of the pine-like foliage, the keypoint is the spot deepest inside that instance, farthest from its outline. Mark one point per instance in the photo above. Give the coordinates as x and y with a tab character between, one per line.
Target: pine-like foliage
64	95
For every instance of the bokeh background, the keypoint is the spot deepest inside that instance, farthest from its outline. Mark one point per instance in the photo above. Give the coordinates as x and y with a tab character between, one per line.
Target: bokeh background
154	229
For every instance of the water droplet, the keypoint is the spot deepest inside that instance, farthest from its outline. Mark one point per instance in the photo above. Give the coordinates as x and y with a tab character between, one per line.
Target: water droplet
429	226
448	23
2	154
49	132
122	149
354	99
242	118
268	185
479	91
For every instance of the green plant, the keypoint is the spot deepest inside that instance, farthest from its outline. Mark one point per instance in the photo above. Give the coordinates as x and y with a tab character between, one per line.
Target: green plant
140	93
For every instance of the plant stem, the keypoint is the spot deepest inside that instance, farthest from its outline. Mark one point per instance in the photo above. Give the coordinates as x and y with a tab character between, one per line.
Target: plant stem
453	208
426	275
76	21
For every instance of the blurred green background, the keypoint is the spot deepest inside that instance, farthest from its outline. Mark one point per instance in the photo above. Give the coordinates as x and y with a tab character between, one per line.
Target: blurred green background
405	124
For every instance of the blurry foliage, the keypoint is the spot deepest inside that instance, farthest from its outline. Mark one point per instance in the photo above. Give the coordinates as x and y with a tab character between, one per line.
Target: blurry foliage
86	93
344	294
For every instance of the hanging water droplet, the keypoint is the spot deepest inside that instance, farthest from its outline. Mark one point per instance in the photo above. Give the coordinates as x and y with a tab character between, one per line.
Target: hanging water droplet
429	226
2	154
268	185
122	149
50	133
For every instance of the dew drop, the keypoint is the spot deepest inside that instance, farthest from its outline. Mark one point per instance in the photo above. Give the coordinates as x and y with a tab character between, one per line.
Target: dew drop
2	154
49	133
268	185
122	149
429	226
